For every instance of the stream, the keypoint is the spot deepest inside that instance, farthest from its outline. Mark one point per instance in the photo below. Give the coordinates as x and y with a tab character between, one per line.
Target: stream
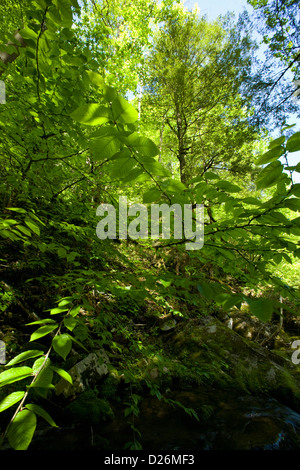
226	422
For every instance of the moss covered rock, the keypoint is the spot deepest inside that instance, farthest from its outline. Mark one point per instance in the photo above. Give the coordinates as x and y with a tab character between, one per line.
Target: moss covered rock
87	408
233	361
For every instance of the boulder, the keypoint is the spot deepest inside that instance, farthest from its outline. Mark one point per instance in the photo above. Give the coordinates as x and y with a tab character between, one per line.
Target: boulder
85	374
232	361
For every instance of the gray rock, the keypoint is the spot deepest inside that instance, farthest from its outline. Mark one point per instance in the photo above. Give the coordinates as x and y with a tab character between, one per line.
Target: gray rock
85	374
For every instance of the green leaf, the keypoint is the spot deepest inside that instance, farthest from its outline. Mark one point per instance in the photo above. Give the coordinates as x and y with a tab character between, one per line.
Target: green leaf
75	310
43	331
293	204
277	142
91	114
143	145
104	147
41	322
62	344
296	189
32	226
228	300
24	230
41	412
227	186
269	175
270	156
24	356
61	252
11	400
261	308
293	143
173	186
121	167
15	374
65	301
123	111
165	283
39	364
95	78
62	373
70	323
206	290
57	310
17	209
21	430
151	195
155	168
45	375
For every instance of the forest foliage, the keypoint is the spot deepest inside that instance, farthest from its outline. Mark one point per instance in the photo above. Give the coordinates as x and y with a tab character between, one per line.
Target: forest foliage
156	103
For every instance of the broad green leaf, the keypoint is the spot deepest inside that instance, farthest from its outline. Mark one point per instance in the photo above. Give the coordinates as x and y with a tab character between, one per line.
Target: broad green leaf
296	189
165	283
293	204
269	175
24	230
65	12
155	168
39	363
21	430
24	356
70	323
41	322
32	226
121	167
270	156
293	143
62	344
261	308
57	310
123	111
11	400
104	147
43	331
15	374
62	373
151	195
173	186
75	310
143	145
65	301
227	186
206	290
252	201
137	175
91	114
277	142
62	252
41	412
44	378
17	209
210	175
95	78
228	300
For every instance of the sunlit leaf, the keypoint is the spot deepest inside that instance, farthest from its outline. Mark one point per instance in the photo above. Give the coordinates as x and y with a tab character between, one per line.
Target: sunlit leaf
21	430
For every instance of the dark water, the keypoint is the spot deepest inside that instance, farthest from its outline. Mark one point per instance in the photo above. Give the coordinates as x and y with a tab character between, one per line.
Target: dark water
225	422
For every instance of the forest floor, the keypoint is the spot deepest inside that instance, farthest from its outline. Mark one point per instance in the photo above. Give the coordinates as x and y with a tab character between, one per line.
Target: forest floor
168	350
